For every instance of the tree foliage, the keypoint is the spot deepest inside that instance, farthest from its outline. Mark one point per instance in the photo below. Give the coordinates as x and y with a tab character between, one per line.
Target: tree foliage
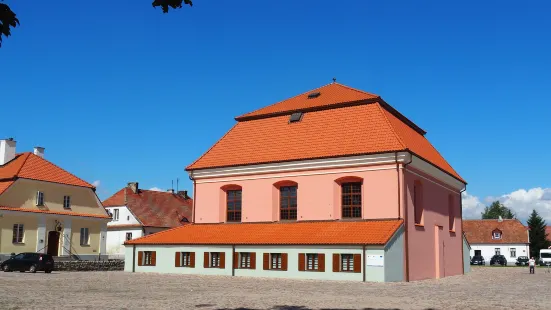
538	237
497	209
8	21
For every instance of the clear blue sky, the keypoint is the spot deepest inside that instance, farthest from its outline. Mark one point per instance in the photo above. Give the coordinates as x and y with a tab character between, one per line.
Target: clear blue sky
117	91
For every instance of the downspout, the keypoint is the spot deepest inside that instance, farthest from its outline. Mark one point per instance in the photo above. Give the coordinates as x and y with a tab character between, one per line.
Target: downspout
406	250
462	235
194	197
232	262
363	258
134	258
398	179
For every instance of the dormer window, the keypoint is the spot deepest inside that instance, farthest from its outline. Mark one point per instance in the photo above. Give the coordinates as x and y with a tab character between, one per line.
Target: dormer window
496	234
39	198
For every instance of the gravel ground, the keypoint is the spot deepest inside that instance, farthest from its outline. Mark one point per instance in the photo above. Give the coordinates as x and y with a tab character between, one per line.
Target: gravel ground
484	288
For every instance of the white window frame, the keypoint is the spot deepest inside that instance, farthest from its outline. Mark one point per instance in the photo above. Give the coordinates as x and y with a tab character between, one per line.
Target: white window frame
84	236
497	251
276	261
312	262
18	234
128	234
496	235
39	198
513	252
115	215
66	202
214	259
244	260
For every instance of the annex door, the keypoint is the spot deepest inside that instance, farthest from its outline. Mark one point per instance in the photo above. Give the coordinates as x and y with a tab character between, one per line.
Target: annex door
53	243
438	252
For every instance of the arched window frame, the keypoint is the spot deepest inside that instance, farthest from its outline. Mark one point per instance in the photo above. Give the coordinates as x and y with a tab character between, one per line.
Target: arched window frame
351	201
286	199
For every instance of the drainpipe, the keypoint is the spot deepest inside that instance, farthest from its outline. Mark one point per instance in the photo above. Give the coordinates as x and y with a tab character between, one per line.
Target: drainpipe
398	179
134	258
194	197
406	250
363	265
462	235
232	262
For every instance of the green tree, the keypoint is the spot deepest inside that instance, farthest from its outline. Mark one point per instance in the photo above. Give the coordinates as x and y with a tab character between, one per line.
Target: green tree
8	19
538	237
497	209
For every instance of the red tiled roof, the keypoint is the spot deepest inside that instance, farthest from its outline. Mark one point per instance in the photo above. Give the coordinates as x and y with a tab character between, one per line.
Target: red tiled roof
548	232
299	233
153	208
105	216
372	126
119	226
4	185
29	166
480	231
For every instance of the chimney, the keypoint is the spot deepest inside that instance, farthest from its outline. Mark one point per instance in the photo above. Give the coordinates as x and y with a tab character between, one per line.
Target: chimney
500	219
7	150
170	191
39	151
183	194
133	186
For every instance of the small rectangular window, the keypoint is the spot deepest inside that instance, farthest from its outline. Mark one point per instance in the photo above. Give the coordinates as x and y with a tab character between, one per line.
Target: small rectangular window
18	233
245	260
67	202
186	259
214	259
276	261
115	215
84	236
498	250
128	236
149	258
513	252
39	198
496	235
312	262
347	262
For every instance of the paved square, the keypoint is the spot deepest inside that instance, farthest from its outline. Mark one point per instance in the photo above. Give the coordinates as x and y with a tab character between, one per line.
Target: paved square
483	288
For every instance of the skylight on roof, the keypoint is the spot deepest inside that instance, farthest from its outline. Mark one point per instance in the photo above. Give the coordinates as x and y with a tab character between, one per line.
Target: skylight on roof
295	117
313	95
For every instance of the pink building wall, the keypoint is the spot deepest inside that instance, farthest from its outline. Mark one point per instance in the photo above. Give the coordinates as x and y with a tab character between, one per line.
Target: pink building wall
318	194
423	253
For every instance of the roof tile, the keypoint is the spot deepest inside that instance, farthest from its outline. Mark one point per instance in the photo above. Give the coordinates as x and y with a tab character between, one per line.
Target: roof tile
480	231
376	232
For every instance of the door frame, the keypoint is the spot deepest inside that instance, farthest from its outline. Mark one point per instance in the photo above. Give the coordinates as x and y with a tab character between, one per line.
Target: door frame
52	232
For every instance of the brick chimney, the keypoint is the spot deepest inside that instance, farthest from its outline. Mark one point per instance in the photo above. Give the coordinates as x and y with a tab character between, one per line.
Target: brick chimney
7	150
133	186
39	151
183	194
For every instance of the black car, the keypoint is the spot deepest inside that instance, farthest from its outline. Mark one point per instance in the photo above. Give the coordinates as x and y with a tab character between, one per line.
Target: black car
522	261
478	260
32	262
498	259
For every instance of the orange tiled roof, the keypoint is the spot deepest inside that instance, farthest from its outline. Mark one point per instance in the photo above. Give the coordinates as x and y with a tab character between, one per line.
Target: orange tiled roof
4	185
105	216
153	208
300	233
29	166
372	126
480	231
119	226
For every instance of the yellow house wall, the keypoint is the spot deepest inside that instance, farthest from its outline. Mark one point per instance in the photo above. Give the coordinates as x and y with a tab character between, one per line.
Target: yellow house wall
94	228
6	233
22	194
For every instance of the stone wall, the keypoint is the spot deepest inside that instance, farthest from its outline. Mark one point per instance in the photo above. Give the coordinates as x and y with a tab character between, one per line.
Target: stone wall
111	265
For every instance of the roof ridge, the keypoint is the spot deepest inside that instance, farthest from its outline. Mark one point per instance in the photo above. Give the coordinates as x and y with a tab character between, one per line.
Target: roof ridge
215	144
23	163
382	111
355	89
40	158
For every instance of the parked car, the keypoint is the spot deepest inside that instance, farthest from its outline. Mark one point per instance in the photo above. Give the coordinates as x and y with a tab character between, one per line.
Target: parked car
32	262
478	260
522	261
498	259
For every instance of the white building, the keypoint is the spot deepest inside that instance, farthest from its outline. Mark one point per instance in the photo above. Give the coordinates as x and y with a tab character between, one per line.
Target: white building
136	212
497	237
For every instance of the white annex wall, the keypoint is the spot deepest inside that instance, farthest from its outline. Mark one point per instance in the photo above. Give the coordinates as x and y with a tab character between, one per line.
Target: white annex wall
116	238
125	216
373	261
489	250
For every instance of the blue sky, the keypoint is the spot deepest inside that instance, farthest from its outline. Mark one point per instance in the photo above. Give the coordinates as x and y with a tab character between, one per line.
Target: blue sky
117	91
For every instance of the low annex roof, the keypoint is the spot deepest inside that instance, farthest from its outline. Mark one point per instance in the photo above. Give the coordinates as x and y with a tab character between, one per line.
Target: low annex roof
480	231
374	232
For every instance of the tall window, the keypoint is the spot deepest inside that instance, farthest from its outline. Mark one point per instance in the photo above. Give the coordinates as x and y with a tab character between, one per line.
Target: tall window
312	262
351	199
18	232
215	259
148	258
84	236
245	260
67	202
115	215
347	262
288	202
275	261
39	198
451	213
513	252
233	203
418	202
128	236
186	259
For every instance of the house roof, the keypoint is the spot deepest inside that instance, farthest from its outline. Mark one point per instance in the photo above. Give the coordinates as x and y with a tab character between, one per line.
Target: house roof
30	166
548	232
376	232
480	231
153	208
70	213
372	126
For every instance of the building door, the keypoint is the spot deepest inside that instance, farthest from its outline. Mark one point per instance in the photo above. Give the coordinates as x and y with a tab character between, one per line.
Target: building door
477	252
438	252
53	243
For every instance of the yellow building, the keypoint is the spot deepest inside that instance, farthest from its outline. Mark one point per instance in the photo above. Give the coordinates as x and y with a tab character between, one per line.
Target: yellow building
46	209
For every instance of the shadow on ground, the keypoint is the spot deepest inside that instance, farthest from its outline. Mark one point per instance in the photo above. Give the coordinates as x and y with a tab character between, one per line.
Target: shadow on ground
299	308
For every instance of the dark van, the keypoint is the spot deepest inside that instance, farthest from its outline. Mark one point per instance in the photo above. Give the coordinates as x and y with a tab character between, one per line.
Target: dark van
32	262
